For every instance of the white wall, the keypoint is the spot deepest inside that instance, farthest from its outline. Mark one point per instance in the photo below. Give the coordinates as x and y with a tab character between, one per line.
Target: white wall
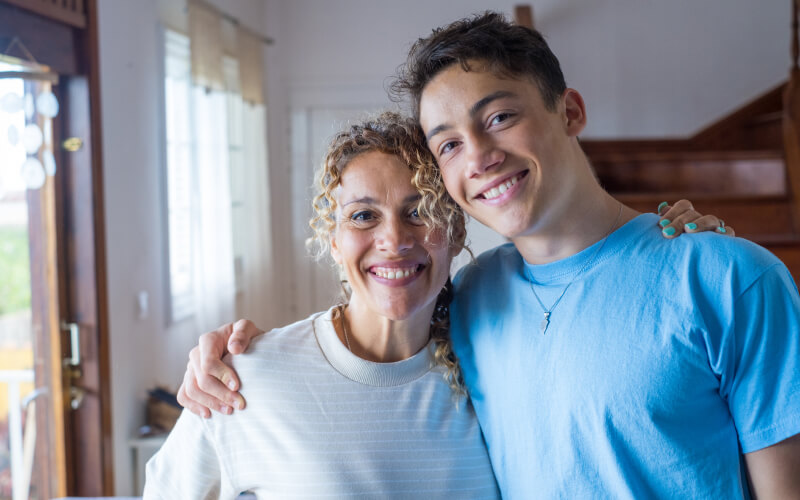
129	97
646	68
655	69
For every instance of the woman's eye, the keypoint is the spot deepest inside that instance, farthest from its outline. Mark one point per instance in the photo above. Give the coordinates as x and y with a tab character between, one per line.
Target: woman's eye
414	217
361	216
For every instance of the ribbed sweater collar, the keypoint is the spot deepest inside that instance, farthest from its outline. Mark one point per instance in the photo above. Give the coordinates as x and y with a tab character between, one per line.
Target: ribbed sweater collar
368	372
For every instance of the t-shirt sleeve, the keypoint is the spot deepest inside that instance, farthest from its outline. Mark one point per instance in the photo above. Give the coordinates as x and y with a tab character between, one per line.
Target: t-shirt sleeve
187	465
763	384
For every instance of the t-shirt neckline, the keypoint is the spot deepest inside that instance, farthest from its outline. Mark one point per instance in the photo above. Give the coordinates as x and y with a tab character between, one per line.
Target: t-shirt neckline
564	270
364	371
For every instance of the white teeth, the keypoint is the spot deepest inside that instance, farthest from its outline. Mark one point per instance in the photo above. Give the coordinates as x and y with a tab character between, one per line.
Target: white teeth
502	188
395	274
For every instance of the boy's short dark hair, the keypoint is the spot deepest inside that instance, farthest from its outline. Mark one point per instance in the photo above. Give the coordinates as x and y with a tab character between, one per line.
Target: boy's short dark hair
508	49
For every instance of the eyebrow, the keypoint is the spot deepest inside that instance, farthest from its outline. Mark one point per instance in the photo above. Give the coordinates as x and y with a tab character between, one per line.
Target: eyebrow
368	200
474	110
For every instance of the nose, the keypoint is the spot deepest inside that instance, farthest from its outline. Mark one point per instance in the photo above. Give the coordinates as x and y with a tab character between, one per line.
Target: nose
482	154
395	236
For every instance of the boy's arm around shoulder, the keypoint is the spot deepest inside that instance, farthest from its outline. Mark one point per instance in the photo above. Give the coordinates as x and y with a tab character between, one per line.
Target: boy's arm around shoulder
209	383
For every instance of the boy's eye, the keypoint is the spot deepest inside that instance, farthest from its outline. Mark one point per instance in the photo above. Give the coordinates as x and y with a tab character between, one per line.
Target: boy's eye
447	147
500	118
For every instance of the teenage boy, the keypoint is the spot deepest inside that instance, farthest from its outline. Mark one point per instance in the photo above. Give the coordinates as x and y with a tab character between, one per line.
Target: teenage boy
601	359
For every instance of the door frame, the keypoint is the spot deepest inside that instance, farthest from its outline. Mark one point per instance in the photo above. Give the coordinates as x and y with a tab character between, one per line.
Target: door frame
66	39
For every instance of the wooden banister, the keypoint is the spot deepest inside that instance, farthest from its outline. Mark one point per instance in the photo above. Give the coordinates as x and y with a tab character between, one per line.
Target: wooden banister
791	122
795	42
523	15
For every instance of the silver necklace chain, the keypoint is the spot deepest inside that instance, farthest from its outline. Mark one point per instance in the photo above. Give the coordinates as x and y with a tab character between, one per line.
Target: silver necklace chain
546	320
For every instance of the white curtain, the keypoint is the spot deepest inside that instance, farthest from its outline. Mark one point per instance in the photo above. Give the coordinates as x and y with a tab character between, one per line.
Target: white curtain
256	276
232	250
219	220
212	248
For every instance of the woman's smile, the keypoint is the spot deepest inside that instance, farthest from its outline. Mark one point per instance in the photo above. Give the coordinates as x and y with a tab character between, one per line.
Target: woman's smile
396	274
394	265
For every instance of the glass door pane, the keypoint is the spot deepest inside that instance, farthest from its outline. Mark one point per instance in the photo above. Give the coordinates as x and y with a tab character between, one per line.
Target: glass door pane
31	388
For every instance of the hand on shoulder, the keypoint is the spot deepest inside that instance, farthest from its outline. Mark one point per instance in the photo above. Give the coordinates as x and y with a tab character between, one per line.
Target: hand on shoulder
683	218
209	383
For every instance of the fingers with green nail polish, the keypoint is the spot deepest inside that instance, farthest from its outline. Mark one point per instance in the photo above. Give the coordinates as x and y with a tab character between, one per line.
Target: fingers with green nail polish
664	222
691	226
661	207
669	231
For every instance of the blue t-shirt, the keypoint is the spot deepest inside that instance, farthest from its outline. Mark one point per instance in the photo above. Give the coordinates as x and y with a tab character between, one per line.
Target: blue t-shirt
663	362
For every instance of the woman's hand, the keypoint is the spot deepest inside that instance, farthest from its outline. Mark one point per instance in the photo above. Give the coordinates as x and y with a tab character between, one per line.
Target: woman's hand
208	382
683	218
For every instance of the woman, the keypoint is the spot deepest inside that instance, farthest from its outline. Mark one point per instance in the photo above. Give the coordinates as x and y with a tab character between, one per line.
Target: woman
362	399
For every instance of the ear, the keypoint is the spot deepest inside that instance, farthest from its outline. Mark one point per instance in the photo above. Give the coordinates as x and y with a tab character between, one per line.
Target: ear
574	112
337	257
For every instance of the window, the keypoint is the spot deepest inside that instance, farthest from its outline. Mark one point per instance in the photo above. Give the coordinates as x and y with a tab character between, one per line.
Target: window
179	146
217	193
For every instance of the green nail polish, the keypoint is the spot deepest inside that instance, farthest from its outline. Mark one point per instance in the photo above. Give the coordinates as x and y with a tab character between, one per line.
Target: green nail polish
722	230
661	206
669	231
691	226
664	222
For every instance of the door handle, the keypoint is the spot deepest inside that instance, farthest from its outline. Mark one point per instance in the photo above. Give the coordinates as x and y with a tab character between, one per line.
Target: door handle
73	363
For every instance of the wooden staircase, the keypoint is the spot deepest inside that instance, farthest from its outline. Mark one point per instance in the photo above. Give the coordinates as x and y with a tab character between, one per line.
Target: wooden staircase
734	168
745	167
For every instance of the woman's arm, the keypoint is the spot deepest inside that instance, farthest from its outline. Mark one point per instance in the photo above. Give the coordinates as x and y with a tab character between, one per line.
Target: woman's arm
187	465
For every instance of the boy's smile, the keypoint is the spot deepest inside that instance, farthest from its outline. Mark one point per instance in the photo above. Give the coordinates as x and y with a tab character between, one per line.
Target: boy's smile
503	155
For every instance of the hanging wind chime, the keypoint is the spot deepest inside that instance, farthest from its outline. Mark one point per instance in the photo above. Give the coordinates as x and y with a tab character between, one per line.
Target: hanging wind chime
27	109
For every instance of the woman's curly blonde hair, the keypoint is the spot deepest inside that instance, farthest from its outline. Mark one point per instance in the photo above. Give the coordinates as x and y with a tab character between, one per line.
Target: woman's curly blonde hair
394	134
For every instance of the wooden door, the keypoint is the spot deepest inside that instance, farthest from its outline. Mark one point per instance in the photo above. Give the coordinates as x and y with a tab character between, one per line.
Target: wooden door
67	271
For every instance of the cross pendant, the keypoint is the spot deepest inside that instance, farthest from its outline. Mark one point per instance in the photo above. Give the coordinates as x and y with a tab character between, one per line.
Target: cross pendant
545	322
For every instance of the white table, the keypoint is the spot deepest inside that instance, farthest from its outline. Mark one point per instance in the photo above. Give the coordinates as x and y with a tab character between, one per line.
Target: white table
143	448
